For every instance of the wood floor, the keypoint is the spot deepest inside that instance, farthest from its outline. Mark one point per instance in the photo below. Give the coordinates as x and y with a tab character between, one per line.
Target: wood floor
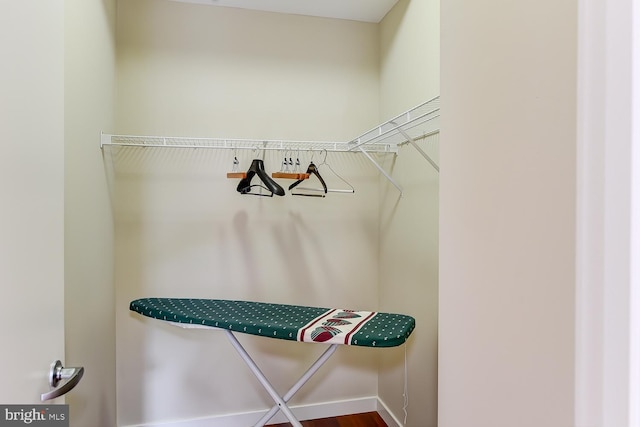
367	419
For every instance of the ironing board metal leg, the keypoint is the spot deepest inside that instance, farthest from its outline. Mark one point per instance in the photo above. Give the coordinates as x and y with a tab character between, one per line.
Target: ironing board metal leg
282	405
303	379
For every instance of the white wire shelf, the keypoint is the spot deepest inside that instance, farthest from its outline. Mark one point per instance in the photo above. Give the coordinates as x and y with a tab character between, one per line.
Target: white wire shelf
416	123
235	144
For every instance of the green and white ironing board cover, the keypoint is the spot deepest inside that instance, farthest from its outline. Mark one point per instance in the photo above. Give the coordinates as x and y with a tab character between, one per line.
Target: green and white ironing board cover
283	321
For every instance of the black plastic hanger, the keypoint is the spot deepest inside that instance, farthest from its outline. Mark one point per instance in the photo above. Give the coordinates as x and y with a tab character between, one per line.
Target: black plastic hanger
312	169
257	167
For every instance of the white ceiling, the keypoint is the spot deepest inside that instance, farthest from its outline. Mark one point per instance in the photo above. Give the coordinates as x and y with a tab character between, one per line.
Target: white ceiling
356	10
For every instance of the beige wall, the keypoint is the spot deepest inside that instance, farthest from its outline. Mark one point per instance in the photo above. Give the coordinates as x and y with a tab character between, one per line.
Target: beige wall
507	252
408	266
183	230
58	94
203	71
410	56
89	64
31	192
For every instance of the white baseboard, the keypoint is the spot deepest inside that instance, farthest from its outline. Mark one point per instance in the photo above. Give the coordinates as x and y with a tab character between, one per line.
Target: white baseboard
302	412
387	416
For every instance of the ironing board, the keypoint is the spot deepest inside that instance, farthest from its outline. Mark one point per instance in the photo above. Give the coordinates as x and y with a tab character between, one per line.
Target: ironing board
331	326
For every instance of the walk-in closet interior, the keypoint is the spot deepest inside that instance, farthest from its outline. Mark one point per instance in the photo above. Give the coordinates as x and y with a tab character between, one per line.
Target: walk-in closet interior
203	91
125	118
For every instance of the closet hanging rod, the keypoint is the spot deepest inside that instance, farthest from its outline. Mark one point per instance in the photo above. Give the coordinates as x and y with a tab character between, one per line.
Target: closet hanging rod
235	144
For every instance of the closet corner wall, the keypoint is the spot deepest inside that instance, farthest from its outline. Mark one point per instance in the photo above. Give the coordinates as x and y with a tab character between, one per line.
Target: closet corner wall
409	228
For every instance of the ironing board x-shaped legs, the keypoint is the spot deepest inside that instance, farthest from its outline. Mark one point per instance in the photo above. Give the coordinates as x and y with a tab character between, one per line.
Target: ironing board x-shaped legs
280	401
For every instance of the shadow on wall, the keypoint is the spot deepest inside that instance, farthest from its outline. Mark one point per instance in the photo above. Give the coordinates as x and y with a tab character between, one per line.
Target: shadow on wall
182	230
